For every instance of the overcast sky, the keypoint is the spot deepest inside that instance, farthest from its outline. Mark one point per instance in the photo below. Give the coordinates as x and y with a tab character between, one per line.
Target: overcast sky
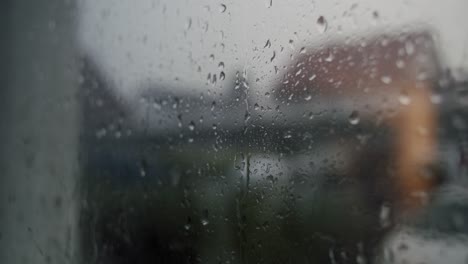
179	42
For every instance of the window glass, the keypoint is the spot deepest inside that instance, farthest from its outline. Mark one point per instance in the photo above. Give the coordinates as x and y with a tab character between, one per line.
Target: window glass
269	131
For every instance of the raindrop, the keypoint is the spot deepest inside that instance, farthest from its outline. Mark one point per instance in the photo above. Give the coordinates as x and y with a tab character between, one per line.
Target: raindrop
222	8
117	134
191	126
384	216
213	105
269	3
271	179
212	57
436	98
422	76
204	219
156	105
330	57
404	98
179	118
400	64
375	16
143	168
402	247
221	65
222	76
246	117
360	259
409	48
322	24
188	225
213	79
312	77
386	79
354	118
188	24
308	97
273	57
101	133
267	44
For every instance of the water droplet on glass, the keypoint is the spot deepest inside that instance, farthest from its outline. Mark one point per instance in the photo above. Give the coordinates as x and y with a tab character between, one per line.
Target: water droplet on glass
360	259
308	97
221	65
386	79
117	134
402	247
375	14
375	17
143	168
330	57
204	219
404	98
213	106
101	133
156	105
188	24
354	118
191	126
422	76
436	98
400	64
179	118
222	76
322	24
246	117
273	57
222	8
213	79
384	215
409	48
188	225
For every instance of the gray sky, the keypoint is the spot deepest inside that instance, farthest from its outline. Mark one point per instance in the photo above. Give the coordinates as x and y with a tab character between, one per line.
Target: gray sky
170	42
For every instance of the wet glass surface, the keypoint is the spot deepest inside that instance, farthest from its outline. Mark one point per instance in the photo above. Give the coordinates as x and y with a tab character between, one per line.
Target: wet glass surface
234	132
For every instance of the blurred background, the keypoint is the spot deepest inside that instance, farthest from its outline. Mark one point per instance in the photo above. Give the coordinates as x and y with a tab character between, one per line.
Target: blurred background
271	131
